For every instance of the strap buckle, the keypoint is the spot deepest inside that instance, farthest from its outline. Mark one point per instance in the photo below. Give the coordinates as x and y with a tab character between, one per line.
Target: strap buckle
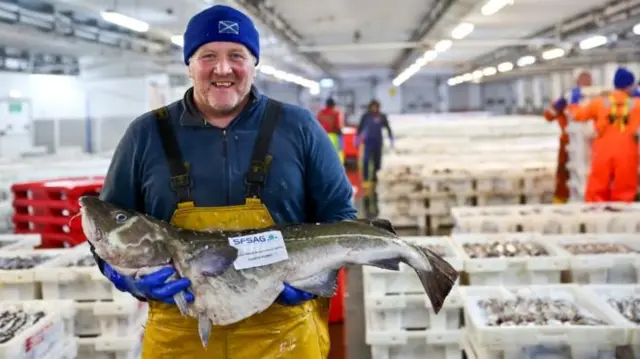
180	181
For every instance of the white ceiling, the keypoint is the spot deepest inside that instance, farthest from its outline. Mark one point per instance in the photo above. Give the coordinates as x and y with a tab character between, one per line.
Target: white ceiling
385	27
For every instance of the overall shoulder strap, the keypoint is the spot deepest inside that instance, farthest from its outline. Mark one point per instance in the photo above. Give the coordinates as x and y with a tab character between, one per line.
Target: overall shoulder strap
260	158
180	180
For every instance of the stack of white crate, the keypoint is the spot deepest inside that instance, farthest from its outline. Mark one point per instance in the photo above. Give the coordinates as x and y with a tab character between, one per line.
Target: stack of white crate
400	321
568	218
108	323
475	160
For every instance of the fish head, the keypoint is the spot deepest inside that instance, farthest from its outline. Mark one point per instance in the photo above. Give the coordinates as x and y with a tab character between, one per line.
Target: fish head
121	237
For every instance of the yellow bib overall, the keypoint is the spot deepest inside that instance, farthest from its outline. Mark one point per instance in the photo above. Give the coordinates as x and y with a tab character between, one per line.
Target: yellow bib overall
287	332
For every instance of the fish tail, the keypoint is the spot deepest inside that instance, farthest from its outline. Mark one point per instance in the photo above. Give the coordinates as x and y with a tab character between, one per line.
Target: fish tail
438	279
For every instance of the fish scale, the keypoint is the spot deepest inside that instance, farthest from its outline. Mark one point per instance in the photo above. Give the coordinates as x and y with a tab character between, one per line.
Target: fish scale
314	255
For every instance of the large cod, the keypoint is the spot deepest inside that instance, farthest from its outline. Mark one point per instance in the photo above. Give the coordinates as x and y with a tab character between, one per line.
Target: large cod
236	274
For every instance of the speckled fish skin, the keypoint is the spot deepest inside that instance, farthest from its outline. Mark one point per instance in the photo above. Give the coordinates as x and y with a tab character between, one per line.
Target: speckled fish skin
131	242
12	322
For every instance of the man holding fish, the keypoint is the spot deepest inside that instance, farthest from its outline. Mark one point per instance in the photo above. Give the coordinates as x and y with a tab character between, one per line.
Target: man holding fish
226	157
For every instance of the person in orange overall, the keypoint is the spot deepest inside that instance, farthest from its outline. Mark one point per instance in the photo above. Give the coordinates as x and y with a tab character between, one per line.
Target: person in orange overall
556	112
331	120
614	151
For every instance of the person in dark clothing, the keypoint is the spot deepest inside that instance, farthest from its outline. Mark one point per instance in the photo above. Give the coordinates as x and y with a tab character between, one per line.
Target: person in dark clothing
369	134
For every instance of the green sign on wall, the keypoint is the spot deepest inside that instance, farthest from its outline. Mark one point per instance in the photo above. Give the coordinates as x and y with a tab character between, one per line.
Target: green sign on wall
15	107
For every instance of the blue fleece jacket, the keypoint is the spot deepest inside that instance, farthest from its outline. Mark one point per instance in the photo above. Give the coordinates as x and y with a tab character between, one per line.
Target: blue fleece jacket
306	181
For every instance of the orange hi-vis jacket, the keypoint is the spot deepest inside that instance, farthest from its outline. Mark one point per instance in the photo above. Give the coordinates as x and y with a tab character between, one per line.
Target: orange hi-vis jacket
614	152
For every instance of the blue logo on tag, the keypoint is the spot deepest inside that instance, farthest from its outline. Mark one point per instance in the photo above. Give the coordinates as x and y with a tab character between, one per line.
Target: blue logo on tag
261	238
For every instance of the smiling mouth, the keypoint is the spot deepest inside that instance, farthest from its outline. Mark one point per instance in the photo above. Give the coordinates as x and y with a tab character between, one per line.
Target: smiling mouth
222	84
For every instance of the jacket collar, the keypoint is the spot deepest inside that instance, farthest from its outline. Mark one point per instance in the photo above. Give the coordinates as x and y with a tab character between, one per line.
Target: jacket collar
191	117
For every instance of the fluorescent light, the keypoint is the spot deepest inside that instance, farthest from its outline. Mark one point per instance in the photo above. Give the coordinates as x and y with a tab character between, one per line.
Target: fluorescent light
593	42
489	71
430	55
493	6
526	60
178	40
476	75
125	21
636	29
467	77
553	54
327	83
443	45
461	31
452	81
288	77
505	66
314	91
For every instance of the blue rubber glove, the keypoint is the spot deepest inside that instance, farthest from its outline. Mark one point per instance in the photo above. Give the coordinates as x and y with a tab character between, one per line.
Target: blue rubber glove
576	95
293	296
151	286
560	104
636	92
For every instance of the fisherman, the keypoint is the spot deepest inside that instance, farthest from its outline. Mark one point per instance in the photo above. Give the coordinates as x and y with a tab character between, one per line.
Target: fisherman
369	134
332	121
226	156
613	176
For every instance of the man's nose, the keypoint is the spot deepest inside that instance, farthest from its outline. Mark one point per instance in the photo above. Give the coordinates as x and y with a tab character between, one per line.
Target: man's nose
222	68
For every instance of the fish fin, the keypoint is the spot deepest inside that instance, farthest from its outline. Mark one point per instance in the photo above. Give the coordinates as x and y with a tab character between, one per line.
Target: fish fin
181	303
204	329
379	223
323	284
439	280
387	263
214	262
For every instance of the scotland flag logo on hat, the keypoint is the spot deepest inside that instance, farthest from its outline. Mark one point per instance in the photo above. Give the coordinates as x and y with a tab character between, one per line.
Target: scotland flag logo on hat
228	27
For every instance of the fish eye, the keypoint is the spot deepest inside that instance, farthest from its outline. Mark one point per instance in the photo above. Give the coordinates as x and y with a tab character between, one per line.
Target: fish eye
120	217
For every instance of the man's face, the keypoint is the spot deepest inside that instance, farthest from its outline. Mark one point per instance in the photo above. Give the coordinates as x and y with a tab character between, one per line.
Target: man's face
222	75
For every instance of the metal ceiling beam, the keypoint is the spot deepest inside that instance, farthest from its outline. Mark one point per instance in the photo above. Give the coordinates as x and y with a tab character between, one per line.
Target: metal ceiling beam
285	32
357	47
425	25
599	18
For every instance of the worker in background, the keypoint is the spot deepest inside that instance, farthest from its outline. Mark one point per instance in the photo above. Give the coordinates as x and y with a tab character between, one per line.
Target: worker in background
369	135
556	112
226	156
332	121
614	154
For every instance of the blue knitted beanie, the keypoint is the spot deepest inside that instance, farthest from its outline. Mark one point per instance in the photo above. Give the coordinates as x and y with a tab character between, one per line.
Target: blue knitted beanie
220	23
623	78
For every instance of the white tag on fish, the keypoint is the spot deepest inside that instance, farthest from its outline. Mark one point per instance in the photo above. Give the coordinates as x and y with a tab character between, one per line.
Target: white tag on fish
259	249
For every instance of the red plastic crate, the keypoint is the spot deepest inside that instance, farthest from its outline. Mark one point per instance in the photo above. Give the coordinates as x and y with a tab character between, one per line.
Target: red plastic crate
348	138
46	208
336	305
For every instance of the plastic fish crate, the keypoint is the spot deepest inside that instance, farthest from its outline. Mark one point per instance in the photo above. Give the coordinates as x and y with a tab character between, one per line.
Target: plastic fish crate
86	323
611	217
38	340
65	350
79	283
602	292
20	284
380	282
512	270
10	242
509	342
120	317
105	347
621	268
418	345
